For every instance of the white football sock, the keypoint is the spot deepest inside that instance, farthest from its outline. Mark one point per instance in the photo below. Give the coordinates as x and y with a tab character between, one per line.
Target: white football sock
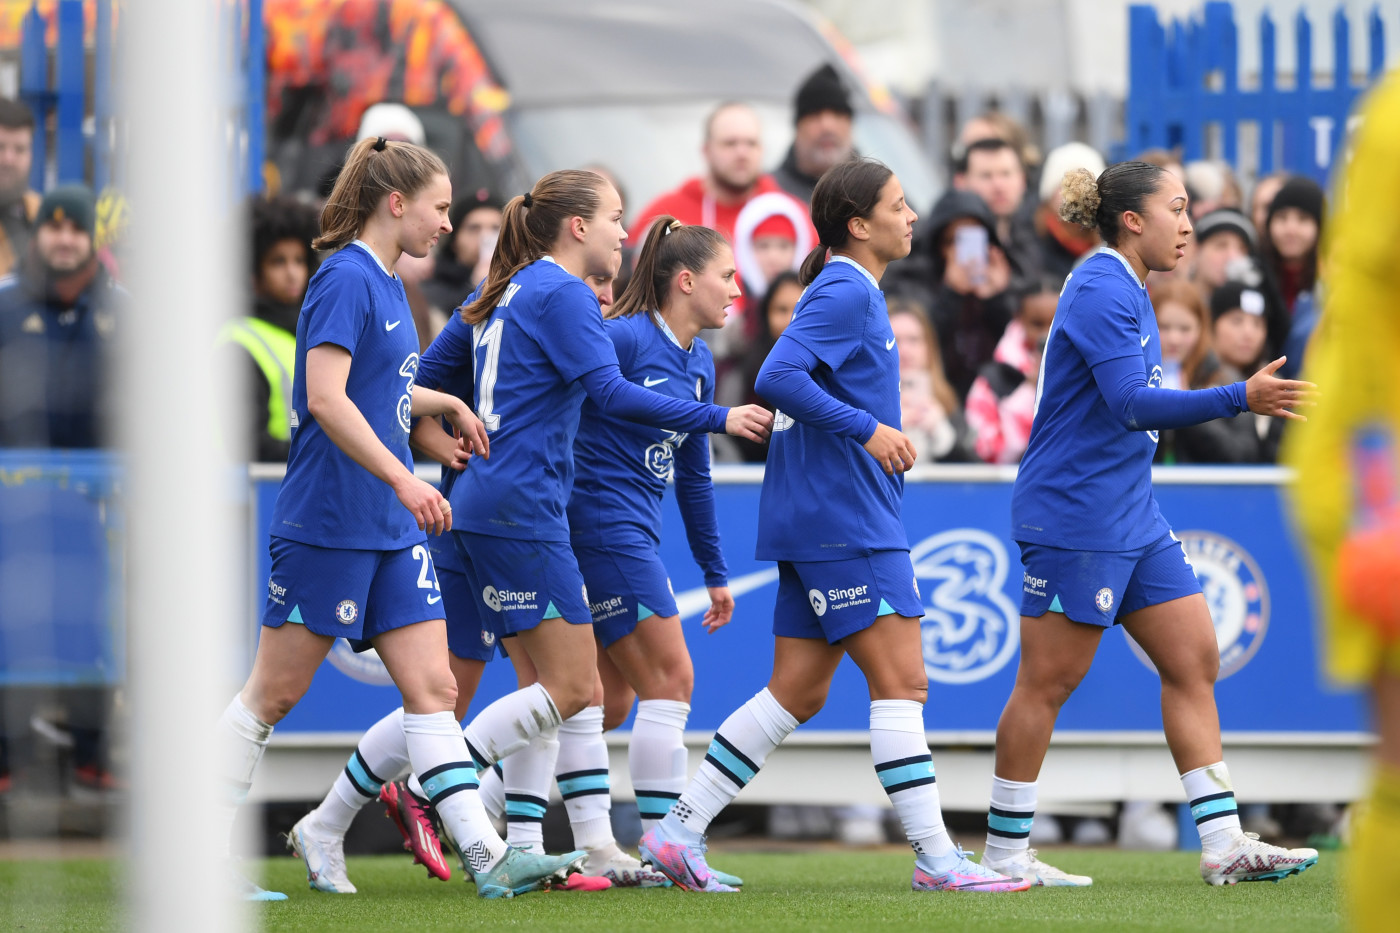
493	791
656	757
508	724
1010	817
440	759
380	757
736	754
1212	799
582	773
244	739
905	769
527	774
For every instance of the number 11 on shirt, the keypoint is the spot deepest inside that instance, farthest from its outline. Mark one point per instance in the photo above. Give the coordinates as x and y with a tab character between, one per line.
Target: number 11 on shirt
487	339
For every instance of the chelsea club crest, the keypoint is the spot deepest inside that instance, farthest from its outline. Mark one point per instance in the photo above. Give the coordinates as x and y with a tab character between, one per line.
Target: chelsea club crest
1236	593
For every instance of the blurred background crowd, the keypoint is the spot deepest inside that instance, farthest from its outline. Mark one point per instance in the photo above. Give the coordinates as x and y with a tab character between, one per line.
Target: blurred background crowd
774	103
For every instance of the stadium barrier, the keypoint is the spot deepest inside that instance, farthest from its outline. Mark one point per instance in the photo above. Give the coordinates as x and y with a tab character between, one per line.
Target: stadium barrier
62	569
1185	90
1108	745
1289	736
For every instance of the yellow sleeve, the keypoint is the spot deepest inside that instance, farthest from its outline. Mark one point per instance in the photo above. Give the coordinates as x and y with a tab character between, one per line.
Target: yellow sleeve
1353	358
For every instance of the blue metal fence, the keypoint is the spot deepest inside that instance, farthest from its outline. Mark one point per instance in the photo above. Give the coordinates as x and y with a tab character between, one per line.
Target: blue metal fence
1184	78
58	88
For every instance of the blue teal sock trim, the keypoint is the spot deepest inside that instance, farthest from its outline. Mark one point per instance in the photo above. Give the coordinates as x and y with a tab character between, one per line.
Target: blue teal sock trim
524	808
448	779
904	773
583	783
655	804
1213	806
1010	824
365	781
731	762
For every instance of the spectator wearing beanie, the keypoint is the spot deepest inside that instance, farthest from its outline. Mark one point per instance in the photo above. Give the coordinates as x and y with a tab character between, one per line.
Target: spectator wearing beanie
1289	250
1290	237
1226	251
1225	241
58	318
1239	335
772	234
1063	244
822	117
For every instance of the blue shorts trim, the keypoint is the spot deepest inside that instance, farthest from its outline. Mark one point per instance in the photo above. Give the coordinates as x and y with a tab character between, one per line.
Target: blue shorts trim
624	587
831	599
522	583
1101	587
352	594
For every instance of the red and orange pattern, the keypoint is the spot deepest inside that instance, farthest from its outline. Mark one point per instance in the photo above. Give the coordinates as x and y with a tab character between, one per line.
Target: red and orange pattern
360	52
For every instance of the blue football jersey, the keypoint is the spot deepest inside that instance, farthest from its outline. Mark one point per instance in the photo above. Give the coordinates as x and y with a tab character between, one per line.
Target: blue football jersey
1085	481
824	497
623	466
447	367
545	332
327	499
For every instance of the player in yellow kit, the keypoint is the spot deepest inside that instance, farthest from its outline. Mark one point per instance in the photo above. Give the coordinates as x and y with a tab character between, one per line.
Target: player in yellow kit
1346	457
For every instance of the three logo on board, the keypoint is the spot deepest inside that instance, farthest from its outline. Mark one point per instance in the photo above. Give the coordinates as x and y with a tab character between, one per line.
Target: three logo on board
970	629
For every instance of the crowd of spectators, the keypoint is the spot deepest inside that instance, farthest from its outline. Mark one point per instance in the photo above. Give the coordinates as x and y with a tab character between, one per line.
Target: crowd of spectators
973	303
60	313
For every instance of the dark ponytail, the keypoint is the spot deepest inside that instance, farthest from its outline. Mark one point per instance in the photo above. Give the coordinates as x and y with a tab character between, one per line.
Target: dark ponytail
373	169
1098	204
670	247
529	226
848	189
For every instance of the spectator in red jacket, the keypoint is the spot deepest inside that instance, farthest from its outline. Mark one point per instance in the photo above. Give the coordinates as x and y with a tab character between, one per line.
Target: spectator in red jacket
734	175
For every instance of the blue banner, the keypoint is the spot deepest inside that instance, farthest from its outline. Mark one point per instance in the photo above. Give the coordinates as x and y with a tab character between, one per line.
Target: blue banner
969	573
62	595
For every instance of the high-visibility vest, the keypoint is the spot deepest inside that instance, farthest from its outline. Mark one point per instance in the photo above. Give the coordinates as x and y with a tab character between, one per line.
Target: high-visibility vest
275	352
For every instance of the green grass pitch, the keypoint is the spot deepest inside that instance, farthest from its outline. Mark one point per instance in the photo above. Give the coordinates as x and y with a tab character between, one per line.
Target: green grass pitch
820	890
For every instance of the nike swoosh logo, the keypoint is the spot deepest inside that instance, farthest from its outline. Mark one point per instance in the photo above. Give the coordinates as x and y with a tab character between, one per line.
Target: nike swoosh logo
649	382
889	344
1145	339
434	600
695	602
388	326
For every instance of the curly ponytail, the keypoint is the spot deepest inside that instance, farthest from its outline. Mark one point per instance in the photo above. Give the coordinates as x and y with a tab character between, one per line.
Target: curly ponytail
1100	203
